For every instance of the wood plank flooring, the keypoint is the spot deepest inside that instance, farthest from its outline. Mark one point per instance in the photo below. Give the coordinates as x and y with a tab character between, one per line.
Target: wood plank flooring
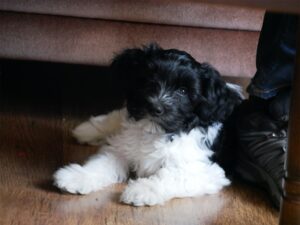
39	104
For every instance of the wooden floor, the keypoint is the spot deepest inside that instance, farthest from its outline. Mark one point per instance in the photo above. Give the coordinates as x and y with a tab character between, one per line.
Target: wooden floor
39	105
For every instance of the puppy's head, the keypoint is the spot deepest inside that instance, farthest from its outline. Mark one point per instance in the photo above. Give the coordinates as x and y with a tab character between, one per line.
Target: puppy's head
172	89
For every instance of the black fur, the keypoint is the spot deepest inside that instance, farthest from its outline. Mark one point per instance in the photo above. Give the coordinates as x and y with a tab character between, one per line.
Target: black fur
197	94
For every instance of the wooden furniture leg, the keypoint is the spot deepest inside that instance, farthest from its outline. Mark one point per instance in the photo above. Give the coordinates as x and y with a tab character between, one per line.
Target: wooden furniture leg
290	207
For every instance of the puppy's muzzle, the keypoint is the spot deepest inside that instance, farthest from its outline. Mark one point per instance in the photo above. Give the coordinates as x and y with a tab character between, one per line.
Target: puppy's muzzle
156	110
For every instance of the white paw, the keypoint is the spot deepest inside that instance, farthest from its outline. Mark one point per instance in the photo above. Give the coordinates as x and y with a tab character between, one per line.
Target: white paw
74	179
141	194
217	179
90	132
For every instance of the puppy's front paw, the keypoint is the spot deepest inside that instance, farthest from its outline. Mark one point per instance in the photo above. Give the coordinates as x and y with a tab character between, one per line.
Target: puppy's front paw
74	179
139	193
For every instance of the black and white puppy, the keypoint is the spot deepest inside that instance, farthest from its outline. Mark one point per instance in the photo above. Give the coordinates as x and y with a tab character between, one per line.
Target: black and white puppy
175	110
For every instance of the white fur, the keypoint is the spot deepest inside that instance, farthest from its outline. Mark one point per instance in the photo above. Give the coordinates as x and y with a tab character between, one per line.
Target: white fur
237	88
97	129
166	167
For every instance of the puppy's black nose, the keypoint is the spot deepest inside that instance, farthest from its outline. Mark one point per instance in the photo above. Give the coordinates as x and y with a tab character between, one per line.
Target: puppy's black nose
157	110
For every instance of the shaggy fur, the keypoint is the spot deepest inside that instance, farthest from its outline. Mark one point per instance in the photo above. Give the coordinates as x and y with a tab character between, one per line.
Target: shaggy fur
175	110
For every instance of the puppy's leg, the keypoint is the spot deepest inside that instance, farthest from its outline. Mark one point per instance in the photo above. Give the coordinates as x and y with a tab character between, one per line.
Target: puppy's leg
96	129
170	183
99	171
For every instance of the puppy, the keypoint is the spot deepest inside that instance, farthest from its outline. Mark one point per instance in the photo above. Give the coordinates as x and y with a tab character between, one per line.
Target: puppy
175	110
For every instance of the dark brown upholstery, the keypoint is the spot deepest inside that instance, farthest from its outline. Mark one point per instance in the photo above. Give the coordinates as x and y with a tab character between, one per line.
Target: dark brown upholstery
78	38
171	12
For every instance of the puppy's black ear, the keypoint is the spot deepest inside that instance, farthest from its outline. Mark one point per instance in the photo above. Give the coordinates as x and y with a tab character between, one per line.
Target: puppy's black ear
132	60
125	65
125	68
128	68
218	99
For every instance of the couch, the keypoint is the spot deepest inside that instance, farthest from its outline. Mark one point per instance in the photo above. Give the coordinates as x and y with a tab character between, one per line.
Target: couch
91	32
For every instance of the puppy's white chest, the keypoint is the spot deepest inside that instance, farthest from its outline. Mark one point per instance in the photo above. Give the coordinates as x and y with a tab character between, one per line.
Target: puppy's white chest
139	143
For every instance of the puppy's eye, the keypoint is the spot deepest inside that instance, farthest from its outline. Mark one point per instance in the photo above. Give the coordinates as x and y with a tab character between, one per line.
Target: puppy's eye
182	90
